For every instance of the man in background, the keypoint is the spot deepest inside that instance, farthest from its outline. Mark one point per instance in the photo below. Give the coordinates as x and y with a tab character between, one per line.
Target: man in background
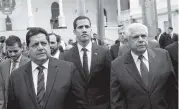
168	38
122	41
54	45
16	59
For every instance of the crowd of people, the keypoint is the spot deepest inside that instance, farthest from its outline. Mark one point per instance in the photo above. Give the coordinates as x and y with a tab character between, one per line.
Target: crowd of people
135	73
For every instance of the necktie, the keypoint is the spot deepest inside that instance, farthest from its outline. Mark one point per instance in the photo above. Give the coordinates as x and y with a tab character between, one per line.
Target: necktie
144	70
14	65
85	61
40	87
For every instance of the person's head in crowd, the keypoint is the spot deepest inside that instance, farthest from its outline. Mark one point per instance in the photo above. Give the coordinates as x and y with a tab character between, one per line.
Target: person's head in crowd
170	30
82	30
95	36
2	39
158	31
122	37
70	42
38	43
137	34
54	42
13	47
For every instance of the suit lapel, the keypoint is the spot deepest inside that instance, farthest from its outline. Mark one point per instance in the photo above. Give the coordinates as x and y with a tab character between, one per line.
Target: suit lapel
94	57
21	61
152	67
132	69
52	72
29	82
77	62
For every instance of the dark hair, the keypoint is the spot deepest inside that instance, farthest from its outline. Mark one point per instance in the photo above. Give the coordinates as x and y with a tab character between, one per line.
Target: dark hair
35	31
170	28
58	37
159	29
80	18
2	39
12	40
117	41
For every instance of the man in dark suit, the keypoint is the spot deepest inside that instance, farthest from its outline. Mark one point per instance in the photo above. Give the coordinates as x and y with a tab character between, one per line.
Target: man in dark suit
143	78
16	59
159	33
168	38
123	40
173	51
93	64
43	82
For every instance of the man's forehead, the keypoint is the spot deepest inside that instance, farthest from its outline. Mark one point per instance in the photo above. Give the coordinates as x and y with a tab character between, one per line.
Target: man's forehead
12	48
82	22
138	30
52	37
38	37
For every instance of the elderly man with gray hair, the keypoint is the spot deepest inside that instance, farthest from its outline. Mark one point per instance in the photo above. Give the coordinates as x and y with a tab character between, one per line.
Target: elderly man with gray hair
143	78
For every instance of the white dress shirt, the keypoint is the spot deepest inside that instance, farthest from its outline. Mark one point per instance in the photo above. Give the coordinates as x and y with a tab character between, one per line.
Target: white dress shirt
89	52
158	38
57	54
35	72
137	61
17	63
171	35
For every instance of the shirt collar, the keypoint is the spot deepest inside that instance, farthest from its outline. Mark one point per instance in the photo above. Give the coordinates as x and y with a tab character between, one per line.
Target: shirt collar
88	47
56	54
135	57
34	65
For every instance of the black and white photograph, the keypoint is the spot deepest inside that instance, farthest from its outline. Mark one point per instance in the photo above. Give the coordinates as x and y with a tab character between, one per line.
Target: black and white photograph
89	54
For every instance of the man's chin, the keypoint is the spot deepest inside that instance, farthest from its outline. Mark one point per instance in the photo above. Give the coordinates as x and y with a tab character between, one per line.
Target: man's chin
14	59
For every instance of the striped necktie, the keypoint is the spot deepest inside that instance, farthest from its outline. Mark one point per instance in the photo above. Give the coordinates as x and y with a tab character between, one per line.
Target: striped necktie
40	87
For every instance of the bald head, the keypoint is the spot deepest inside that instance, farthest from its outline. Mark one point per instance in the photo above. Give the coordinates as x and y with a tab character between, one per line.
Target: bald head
138	38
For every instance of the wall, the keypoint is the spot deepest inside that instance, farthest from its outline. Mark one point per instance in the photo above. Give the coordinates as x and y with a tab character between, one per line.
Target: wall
41	10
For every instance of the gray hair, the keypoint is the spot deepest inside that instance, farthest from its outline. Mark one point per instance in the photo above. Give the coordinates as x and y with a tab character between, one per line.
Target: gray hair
135	27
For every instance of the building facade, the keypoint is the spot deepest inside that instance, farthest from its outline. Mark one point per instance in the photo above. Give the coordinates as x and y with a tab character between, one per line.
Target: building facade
58	16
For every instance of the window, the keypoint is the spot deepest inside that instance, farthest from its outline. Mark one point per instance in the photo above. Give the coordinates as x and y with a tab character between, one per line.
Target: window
55	13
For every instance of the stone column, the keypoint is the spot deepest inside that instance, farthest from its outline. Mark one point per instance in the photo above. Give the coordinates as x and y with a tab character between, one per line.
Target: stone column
100	21
81	7
169	13
119	11
148	15
30	14
61	17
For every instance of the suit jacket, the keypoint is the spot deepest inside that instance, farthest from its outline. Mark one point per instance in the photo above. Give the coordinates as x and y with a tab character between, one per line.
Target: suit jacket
93	89
114	50
21	94
128	90
5	72
173	51
166	39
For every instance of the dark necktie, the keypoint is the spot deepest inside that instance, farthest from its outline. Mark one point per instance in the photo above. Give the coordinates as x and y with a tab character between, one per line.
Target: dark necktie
143	70
14	64
85	61
40	87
